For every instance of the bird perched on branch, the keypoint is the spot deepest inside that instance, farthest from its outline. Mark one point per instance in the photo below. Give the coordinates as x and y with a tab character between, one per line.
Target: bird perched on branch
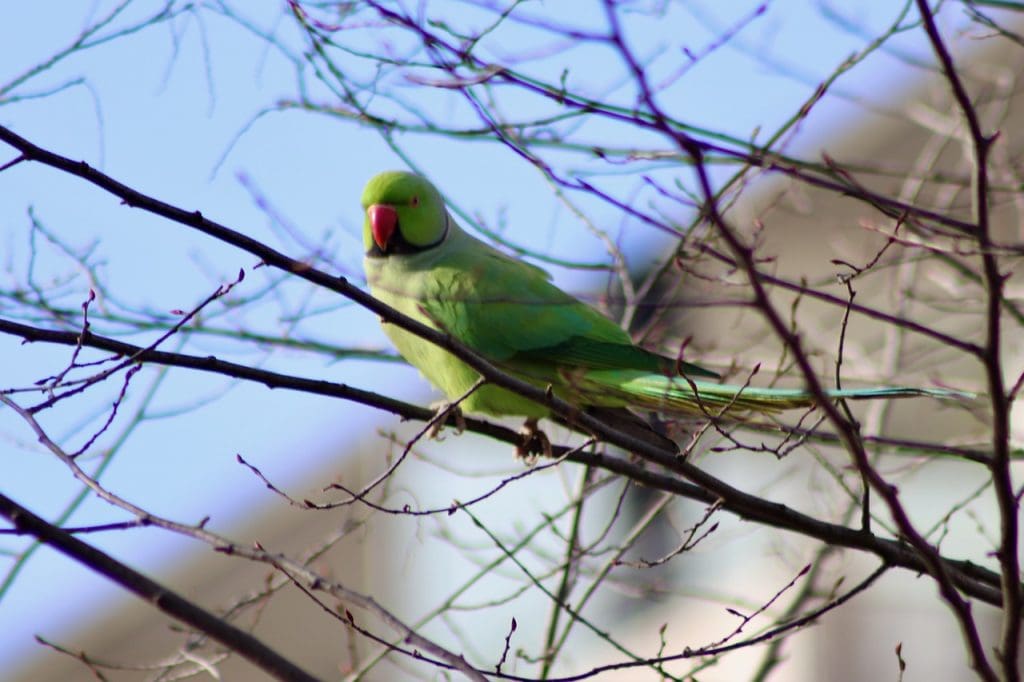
420	262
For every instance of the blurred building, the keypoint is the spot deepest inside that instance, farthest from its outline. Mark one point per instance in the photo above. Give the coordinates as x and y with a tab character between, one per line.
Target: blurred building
915	152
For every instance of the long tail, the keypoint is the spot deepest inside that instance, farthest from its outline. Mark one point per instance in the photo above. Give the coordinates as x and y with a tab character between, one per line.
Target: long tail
655	392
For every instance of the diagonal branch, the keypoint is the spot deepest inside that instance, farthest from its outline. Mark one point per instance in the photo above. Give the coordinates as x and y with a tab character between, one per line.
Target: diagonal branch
1002	479
168	601
846	429
973	580
295	569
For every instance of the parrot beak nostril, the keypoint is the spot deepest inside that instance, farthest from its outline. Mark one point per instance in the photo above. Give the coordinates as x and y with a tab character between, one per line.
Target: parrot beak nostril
383	221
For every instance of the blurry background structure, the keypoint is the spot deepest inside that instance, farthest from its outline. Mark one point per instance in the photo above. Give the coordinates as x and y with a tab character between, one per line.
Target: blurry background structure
270	123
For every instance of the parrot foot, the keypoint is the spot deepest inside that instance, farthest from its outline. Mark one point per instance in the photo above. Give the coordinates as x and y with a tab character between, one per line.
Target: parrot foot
444	411
532	442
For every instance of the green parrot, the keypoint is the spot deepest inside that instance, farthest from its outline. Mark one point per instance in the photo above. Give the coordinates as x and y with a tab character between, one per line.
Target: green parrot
420	262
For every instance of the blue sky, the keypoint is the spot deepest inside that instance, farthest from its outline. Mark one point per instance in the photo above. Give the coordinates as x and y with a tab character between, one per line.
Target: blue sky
171	110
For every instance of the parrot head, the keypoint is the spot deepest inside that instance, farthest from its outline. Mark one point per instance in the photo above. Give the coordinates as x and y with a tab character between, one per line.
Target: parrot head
404	213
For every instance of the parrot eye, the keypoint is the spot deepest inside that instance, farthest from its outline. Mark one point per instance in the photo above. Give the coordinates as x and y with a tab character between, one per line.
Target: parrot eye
415	201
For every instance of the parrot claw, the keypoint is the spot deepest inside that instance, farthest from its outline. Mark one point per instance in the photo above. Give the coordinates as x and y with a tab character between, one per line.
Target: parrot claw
444	411
532	443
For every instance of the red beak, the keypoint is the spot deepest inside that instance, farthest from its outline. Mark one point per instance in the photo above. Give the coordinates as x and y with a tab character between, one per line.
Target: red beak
383	221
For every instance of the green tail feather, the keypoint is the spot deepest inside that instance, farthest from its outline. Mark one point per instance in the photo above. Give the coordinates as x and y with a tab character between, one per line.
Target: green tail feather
651	391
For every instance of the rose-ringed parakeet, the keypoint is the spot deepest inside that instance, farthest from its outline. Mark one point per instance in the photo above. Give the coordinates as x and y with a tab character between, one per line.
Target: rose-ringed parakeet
419	261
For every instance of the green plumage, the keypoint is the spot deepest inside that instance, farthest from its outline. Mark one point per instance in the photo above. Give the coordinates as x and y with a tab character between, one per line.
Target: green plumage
419	261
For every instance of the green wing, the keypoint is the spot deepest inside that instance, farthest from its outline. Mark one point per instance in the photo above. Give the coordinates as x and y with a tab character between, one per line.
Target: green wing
581	351
510	312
